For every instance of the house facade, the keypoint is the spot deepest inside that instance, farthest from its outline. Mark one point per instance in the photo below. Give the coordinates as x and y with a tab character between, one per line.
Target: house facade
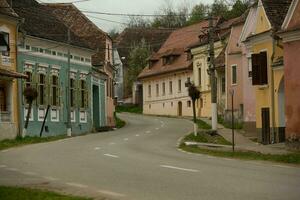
164	91
97	40
249	98
291	42
268	71
58	65
201	66
9	112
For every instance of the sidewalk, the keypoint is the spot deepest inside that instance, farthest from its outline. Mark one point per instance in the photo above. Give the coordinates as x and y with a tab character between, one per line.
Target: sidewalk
243	143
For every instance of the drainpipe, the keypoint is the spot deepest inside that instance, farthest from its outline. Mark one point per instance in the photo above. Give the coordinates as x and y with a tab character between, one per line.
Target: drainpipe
274	132
19	82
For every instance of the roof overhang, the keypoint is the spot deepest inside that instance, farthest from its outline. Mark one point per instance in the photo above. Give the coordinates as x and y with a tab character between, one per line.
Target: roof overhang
11	74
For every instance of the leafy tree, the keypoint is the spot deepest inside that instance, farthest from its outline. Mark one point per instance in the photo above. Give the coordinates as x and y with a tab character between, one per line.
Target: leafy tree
138	22
113	33
199	12
219	8
137	61
169	17
238	8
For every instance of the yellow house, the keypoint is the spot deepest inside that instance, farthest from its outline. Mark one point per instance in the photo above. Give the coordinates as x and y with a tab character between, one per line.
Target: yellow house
267	70
200	52
9	110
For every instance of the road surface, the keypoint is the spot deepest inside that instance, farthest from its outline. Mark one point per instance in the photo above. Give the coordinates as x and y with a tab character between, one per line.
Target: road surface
141	162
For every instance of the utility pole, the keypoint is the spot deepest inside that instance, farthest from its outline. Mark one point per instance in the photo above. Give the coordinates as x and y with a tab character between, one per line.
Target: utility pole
68	95
214	112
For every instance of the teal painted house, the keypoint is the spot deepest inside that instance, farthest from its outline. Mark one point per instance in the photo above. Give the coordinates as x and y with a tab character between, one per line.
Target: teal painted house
43	57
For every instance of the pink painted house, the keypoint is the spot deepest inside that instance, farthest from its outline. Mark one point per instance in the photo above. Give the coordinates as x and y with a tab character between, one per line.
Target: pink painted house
291	43
239	74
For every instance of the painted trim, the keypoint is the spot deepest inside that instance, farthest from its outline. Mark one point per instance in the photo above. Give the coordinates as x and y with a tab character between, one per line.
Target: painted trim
290	14
290	36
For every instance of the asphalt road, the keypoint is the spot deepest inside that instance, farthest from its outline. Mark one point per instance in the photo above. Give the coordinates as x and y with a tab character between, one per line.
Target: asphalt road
141	162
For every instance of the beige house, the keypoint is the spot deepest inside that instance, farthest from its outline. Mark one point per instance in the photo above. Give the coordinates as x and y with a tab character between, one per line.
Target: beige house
200	54
164	91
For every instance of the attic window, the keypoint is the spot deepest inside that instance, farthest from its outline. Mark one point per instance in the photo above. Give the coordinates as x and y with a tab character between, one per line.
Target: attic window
189	56
259	69
151	63
167	60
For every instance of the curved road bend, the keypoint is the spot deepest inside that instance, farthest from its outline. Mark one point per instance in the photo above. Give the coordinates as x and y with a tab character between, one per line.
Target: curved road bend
141	162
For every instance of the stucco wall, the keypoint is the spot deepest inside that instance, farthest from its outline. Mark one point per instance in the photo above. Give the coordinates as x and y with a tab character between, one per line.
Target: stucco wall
167	104
10	130
292	91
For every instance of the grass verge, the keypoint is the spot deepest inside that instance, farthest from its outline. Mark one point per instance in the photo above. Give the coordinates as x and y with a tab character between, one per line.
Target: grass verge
292	158
237	125
19	141
130	109
202	124
119	122
16	193
206	138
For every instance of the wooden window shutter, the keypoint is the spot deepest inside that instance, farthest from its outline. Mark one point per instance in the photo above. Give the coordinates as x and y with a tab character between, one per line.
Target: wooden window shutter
263	68
255	69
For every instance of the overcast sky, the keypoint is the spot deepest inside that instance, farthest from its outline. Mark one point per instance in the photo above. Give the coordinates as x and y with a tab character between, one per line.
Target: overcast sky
122	6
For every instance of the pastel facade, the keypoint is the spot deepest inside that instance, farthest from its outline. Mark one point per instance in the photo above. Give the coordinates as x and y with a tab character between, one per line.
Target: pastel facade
47	71
167	95
97	40
249	99
164	91
268	71
234	75
9	113
291	42
202	78
43	57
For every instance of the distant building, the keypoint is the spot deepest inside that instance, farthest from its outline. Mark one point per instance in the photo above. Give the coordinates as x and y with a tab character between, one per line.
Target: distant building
119	80
164	91
154	37
9	95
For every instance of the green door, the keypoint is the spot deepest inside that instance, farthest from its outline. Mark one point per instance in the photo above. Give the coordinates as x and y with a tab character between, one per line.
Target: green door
96	107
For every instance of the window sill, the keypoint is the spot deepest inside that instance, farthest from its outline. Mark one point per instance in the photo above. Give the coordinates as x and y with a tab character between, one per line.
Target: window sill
262	87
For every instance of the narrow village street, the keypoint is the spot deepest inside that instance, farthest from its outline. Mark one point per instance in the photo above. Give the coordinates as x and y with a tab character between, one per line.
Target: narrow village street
141	162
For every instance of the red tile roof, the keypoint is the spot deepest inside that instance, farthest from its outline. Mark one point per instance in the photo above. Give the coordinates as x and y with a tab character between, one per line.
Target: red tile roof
177	43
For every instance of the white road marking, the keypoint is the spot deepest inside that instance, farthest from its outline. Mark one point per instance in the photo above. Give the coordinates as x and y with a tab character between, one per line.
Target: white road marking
77	185
50	178
179	168
3	166
126	139
148	131
111	155
97	148
283	166
30	173
110	193
157	128
112	143
3	151
12	169
137	135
